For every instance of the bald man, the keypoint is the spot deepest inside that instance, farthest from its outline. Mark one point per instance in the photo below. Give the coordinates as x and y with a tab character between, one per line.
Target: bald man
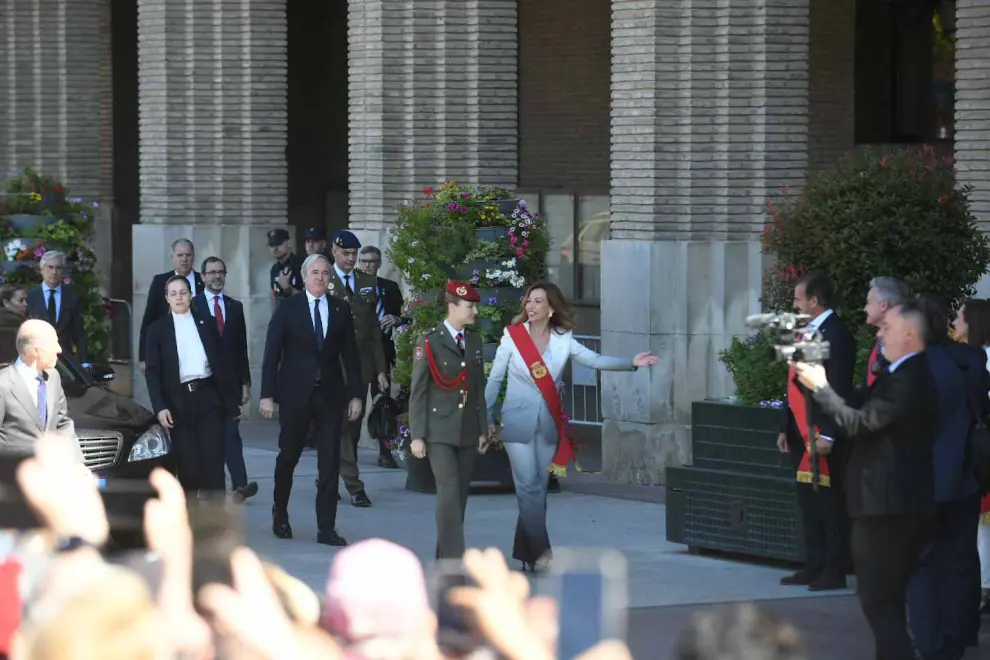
31	397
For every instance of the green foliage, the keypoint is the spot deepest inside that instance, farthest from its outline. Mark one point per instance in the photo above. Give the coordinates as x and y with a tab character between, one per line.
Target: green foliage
434	238
758	377
898	214
31	193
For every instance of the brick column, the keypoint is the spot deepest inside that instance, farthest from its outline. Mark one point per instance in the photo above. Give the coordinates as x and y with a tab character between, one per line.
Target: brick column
56	100
709	118
972	126
213	126
432	97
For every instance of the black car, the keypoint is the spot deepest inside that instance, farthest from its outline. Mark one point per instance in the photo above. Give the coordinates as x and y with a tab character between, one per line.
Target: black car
119	440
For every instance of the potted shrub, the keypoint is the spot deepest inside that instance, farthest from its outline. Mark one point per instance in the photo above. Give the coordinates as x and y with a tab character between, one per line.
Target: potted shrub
37	215
481	235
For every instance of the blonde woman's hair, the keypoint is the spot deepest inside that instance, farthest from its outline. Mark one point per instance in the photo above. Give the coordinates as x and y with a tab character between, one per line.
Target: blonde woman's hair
115	619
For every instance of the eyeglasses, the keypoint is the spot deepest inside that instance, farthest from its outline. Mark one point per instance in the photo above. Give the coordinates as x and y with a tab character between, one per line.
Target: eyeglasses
215	272
370	262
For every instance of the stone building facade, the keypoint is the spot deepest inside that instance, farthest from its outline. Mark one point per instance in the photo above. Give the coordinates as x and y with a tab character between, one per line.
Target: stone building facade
673	120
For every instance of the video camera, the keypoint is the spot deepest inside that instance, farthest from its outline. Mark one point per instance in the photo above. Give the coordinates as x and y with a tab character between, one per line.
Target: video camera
792	342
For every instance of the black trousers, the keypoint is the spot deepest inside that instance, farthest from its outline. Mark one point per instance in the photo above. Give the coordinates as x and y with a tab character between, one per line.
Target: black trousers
944	593
199	439
825	529
326	417
886	550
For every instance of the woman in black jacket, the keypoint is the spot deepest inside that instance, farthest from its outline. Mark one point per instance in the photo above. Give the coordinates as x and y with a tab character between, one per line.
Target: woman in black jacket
13	312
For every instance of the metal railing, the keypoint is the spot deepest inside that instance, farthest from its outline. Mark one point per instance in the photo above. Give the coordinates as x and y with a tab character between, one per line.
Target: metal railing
583	400
121	331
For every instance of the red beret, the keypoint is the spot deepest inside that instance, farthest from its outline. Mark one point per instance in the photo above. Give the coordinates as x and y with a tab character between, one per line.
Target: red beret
464	291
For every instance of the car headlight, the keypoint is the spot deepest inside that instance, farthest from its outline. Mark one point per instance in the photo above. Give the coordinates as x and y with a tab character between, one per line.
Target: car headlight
153	443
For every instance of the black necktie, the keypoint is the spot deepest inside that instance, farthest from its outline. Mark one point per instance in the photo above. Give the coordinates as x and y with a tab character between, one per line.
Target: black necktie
52	314
318	324
347	284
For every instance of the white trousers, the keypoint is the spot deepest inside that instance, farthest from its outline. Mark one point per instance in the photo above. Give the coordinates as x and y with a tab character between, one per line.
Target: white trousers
983	543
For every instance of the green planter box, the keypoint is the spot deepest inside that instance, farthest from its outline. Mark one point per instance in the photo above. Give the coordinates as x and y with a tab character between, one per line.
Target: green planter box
739	495
734	438
734	512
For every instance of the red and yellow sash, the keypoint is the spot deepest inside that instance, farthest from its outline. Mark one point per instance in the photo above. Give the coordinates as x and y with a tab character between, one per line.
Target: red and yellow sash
548	388
796	402
874	355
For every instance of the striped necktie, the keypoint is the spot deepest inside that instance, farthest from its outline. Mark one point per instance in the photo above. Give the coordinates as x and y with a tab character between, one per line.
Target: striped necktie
381	304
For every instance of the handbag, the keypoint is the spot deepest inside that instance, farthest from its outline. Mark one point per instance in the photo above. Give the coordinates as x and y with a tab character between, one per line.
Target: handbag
382	420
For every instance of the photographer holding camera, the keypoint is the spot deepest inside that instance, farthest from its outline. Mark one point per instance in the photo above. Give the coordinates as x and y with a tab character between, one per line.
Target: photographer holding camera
889	487
825	522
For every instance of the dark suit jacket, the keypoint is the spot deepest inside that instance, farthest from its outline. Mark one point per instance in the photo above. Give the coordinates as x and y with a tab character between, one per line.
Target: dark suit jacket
70	319
391	296
234	337
954	477
162	367
839	369
291	362
889	471
157	306
10	323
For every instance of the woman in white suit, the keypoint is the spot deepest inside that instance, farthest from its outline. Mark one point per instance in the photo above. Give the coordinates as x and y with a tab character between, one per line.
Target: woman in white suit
531	359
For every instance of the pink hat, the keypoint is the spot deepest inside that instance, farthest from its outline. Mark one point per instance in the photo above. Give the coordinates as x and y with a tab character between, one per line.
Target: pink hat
375	588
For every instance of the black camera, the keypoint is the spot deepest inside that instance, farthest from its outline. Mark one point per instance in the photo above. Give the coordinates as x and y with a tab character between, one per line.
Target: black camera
793	340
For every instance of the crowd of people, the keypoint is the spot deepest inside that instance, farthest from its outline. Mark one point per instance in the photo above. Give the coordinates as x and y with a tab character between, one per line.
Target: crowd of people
895	494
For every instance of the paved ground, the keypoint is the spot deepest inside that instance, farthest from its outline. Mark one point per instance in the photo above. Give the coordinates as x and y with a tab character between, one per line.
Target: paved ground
666	583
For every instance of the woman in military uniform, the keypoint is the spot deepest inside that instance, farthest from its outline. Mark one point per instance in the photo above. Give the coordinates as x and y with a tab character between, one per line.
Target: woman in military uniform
532	356
447	415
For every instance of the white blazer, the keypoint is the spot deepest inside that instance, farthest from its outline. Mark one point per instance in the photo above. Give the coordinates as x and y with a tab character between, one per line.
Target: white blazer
524	411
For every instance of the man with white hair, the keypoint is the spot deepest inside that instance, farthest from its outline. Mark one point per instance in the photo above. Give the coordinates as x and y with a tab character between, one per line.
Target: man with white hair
55	301
31	397
885	293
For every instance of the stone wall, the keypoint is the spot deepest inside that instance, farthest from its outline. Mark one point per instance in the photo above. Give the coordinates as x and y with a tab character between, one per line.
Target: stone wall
56	113
972	128
212	90
432	97
709	118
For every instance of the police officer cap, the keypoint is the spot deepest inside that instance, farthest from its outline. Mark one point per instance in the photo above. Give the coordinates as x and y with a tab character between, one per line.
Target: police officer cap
345	240
277	236
463	290
315	234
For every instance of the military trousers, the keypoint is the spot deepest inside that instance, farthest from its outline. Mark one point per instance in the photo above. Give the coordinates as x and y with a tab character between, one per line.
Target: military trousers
349	438
452	467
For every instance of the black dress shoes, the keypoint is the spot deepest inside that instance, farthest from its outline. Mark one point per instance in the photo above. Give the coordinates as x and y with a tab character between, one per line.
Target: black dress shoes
386	461
244	492
330	538
280	525
828	582
360	499
802	578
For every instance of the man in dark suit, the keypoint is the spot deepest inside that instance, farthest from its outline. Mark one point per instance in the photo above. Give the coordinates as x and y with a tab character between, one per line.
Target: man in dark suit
193	391
228	314
183	255
389	310
56	302
312	369
825	523
889	481
944	594
884	294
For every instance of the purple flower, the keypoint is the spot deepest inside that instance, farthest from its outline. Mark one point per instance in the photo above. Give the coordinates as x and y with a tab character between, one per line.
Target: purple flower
475	280
462	209
39	251
67	280
491	301
452	206
772	403
465	195
95	205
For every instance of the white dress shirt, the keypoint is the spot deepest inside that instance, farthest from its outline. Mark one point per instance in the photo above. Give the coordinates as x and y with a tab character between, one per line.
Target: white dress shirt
191	278
893	365
211	302
454	332
193	363
324	311
30	377
45	290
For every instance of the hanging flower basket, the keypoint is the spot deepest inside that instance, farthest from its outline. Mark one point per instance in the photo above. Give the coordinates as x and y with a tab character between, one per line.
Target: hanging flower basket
22	222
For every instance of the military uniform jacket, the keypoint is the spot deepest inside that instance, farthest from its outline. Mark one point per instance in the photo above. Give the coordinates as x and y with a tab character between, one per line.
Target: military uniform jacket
456	417
294	263
367	331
